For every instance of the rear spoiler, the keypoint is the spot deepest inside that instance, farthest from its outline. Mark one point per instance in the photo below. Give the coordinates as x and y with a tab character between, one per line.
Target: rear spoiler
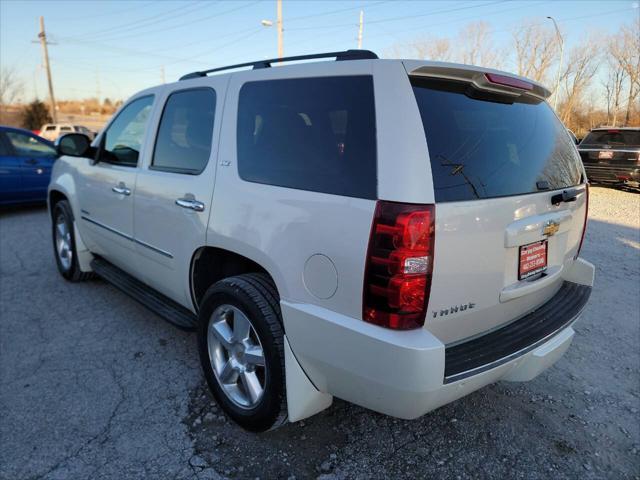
484	80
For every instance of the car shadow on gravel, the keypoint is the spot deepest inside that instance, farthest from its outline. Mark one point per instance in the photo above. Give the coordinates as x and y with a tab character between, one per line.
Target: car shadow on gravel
28	208
560	425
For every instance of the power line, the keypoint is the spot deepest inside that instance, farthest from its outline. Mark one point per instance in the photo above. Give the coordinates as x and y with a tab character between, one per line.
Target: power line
137	22
395	19
108	14
196	6
189	23
315	15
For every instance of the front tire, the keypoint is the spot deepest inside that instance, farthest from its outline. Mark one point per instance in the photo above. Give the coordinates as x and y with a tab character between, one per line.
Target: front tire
64	243
241	347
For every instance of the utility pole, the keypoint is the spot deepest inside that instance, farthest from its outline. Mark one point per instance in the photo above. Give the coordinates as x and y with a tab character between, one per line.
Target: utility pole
45	56
98	92
280	43
162	74
561	40
360	29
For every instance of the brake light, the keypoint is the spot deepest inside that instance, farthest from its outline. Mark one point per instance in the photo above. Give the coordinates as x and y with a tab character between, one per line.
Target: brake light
584	226
508	81
397	277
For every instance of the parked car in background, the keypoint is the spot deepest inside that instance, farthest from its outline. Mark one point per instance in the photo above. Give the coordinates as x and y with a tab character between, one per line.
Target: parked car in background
51	131
611	155
407	233
25	166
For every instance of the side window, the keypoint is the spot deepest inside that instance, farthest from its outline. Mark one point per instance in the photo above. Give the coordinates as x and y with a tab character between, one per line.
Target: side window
124	136
28	146
314	134
4	149
183	143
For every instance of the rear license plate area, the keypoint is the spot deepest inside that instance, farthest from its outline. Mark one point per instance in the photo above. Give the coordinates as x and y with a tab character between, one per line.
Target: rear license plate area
532	259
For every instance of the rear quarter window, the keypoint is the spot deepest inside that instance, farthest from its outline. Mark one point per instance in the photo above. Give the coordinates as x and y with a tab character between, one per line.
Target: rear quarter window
485	148
315	134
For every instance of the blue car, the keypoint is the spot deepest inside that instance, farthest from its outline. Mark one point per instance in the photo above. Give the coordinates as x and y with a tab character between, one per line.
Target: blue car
25	166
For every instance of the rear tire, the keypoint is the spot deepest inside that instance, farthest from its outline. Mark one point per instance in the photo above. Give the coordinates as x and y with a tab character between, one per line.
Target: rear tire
241	347
64	243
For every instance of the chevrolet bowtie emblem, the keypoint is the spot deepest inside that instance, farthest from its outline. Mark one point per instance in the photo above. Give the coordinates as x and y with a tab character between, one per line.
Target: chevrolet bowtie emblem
550	228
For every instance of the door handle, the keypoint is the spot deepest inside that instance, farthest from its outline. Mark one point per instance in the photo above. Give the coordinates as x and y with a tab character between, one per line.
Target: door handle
121	189
31	161
190	204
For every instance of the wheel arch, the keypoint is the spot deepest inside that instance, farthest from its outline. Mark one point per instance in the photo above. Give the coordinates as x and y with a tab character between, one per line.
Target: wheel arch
210	264
54	197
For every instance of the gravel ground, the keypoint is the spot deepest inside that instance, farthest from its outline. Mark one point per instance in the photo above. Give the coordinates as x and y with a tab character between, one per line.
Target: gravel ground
94	386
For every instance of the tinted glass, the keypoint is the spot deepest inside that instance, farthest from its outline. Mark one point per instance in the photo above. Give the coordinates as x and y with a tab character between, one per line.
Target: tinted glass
50	128
184	138
4	150
485	148
313	134
65	129
124	136
28	146
613	138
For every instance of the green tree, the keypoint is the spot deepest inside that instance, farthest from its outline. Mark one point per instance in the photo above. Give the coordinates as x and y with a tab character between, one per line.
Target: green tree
35	115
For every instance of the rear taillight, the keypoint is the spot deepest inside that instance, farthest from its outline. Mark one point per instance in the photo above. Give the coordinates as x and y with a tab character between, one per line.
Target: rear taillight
397	276
586	214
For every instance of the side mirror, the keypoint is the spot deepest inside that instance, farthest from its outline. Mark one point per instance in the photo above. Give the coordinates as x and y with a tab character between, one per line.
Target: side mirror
74	145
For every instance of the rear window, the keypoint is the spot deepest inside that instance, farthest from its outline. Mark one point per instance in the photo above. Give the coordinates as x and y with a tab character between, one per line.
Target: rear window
612	138
315	134
486	148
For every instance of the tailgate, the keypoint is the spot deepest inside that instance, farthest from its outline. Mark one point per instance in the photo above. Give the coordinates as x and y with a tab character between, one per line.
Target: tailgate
476	285
505	233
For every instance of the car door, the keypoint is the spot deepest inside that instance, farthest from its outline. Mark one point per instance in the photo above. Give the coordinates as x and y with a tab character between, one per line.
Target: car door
173	192
107	186
35	159
10	179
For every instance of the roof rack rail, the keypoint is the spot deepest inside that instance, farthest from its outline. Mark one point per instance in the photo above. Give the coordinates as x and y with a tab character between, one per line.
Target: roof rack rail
339	56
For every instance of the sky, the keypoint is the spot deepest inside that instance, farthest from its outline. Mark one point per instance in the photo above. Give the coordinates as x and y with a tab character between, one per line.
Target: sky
113	48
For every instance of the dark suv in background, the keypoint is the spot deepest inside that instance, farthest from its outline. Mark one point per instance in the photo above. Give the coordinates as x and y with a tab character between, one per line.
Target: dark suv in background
612	155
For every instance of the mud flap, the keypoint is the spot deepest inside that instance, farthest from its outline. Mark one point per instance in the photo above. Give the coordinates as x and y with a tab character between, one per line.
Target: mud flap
84	255
303	399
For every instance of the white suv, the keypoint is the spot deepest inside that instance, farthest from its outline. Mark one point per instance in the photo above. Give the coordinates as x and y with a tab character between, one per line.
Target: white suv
394	233
52	131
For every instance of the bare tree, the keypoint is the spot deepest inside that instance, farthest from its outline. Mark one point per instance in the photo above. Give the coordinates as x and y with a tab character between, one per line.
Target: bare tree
613	87
10	86
426	48
625	49
581	67
536	48
477	46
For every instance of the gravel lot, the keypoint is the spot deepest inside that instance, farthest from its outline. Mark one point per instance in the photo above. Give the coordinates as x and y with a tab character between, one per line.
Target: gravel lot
94	386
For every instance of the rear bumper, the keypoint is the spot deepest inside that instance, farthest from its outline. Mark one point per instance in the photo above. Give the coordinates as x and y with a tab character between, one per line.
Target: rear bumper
402	373
613	174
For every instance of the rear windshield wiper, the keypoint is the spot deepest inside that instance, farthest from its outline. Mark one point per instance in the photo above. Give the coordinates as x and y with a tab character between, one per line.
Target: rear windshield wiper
566	196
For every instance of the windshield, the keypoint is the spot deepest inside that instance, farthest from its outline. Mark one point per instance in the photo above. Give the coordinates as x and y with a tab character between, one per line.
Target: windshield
487	147
612	138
